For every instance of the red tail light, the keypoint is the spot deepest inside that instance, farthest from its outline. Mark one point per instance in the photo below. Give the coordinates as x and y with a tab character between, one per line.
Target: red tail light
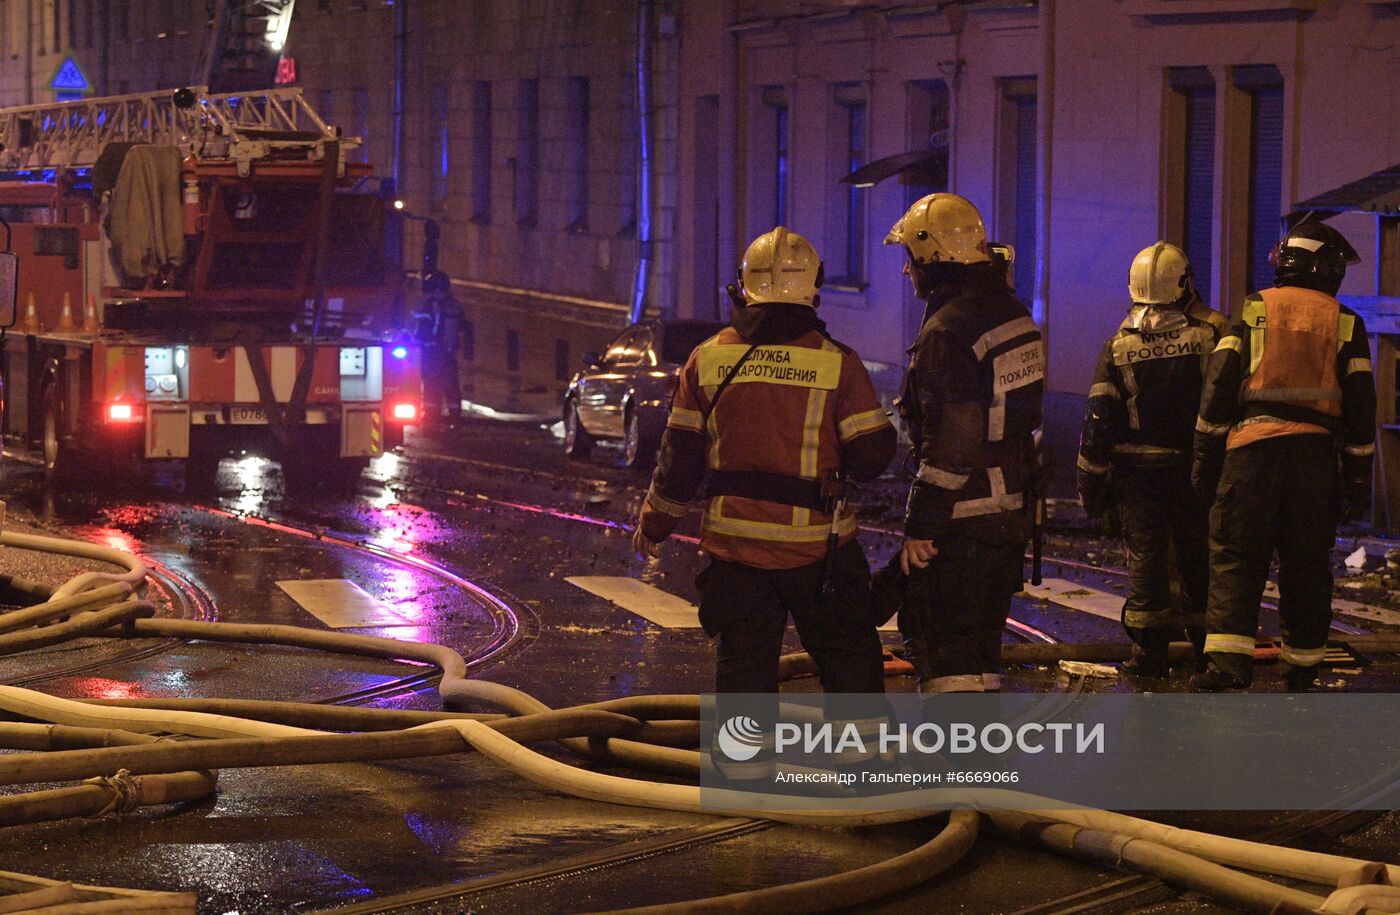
404	412
121	412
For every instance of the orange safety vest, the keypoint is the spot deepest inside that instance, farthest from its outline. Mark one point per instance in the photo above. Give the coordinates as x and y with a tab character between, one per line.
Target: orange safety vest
1294	337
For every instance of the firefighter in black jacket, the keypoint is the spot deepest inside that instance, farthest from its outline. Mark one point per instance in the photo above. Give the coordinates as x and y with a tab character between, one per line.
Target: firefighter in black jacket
1289	410
972	402
1135	452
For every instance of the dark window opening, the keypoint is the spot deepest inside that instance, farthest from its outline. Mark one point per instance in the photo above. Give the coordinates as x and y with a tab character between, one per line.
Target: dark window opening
577	113
561	360
1196	88
481	152
512	351
1016	222
846	203
469	341
1265	86
527	143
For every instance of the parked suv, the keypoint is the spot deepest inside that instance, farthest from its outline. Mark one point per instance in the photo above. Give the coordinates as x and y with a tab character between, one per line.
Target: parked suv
626	392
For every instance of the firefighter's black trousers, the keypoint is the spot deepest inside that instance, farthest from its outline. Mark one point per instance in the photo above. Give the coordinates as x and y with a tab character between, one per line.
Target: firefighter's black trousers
441	384
1165	532
1279	495
748	607
955	610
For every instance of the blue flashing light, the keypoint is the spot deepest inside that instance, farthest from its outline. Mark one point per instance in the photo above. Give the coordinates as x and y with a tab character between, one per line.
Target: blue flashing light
400	352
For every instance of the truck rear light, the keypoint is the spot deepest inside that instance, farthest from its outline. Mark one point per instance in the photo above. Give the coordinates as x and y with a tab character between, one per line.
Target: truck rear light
121	412
405	412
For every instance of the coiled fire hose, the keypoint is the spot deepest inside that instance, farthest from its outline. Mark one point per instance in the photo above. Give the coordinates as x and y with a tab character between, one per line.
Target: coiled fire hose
110	744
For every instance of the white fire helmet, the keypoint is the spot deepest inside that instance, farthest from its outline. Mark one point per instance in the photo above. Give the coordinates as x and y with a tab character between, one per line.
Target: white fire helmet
1160	275
781	266
942	229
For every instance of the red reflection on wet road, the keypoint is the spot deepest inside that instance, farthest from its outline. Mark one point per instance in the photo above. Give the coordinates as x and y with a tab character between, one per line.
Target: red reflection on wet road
103	688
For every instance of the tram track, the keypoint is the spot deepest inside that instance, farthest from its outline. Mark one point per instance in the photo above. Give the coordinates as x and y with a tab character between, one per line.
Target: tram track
510	631
190	601
461	498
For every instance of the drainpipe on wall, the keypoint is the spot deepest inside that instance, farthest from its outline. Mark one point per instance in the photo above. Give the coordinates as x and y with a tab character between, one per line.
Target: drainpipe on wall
642	280
1045	101
400	65
957	20
28	52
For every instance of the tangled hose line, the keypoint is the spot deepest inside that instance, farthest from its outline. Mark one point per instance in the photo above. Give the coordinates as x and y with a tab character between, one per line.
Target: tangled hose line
123	754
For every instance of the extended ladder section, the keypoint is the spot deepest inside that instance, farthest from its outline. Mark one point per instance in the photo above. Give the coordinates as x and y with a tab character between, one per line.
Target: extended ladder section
242	127
244	44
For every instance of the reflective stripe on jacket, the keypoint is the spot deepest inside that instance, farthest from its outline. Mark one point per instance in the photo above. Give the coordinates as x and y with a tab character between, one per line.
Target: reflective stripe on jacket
1297	362
1147	387
1294	337
972	400
803	407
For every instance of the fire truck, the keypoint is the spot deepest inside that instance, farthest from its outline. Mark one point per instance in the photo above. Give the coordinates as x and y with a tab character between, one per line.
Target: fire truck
200	273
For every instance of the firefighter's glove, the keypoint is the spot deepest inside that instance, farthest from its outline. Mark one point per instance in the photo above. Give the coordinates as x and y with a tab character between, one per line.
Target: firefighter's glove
916	555
1093	493
1205	477
1356	496
644	548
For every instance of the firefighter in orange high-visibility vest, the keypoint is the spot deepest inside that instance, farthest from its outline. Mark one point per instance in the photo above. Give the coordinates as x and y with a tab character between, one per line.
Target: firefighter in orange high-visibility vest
1284	440
771	414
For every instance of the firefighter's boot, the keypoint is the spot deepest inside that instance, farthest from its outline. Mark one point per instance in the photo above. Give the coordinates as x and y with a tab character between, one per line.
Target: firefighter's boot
1216	680
1300	679
1146	664
1197	635
1149	657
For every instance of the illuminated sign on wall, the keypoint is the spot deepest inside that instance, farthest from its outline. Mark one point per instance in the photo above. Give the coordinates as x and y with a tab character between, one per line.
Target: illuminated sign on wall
286	71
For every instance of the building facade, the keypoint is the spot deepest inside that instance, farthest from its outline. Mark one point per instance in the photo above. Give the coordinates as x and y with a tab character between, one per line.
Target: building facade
569	191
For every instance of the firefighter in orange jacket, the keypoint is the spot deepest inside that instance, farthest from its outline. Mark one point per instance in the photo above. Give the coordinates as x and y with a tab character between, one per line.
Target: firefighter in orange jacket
767	413
1289	410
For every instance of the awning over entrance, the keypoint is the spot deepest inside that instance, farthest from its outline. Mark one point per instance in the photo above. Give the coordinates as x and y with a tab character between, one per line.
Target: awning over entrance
874	172
1377	193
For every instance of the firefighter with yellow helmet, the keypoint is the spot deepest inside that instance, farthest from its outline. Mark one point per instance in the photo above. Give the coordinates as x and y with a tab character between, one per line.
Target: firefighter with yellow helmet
1284	442
1135	452
767	414
971	401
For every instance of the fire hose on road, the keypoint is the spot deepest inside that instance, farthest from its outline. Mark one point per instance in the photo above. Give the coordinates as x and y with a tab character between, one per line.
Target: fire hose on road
112	744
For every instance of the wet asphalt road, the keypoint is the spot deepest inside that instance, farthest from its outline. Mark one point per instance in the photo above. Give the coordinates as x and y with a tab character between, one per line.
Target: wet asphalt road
499	505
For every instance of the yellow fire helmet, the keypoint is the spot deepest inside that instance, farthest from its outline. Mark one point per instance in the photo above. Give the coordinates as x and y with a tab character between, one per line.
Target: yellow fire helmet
781	266
1160	275
942	229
